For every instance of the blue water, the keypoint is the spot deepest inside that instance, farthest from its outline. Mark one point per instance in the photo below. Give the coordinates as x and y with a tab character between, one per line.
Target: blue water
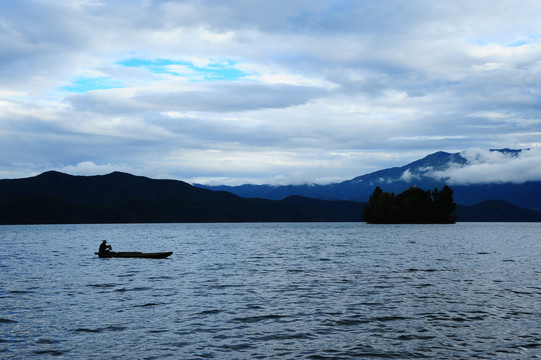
276	291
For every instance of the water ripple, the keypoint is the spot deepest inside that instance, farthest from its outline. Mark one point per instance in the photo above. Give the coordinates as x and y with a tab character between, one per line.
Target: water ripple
273	291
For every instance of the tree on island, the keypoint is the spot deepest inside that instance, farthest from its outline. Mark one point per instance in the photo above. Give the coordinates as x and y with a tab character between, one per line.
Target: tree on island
413	206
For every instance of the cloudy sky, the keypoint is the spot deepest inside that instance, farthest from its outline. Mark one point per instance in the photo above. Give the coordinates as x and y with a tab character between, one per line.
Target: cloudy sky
249	91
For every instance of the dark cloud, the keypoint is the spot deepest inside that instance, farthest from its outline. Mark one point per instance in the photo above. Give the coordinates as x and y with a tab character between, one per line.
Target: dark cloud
220	98
233	98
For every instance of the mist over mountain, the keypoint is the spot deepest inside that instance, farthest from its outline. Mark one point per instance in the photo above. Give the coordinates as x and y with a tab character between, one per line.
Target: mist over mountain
474	175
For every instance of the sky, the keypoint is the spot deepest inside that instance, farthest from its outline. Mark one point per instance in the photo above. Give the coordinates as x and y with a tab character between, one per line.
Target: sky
268	92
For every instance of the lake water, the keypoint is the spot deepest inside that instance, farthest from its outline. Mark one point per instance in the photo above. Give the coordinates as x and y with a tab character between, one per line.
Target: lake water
276	291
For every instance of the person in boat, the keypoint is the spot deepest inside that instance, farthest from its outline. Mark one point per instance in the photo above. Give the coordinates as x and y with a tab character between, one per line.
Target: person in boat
104	247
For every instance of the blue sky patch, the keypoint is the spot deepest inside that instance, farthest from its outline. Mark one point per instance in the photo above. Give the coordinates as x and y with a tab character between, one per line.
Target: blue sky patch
526	40
224	70
523	41
84	84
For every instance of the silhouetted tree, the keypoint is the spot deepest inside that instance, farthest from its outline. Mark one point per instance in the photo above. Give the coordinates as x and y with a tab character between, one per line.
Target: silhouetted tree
444	206
379	208
413	206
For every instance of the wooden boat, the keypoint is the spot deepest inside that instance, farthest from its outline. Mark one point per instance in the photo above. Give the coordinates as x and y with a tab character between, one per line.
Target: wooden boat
133	254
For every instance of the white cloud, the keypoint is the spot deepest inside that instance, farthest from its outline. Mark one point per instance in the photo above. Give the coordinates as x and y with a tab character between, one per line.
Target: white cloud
89	168
484	166
328	83
408	176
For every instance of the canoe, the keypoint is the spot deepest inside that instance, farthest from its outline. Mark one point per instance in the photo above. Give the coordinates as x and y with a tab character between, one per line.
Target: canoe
134	254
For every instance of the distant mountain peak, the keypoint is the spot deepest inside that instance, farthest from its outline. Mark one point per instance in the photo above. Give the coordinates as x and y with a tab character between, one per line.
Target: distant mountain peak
51	173
121	175
509	151
475	175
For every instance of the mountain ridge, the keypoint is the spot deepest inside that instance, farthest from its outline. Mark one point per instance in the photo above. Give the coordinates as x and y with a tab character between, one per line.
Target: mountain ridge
54	197
496	211
57	198
398	179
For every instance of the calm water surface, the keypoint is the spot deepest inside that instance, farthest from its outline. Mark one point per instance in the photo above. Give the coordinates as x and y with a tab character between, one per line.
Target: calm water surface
277	291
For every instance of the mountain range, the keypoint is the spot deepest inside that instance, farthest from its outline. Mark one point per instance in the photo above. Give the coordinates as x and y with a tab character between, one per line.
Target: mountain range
398	179
57	198
54	198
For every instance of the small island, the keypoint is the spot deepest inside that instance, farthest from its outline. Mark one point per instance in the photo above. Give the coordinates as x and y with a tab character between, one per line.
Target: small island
413	206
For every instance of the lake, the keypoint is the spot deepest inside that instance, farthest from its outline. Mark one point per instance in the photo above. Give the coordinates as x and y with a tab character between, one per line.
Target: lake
272	290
